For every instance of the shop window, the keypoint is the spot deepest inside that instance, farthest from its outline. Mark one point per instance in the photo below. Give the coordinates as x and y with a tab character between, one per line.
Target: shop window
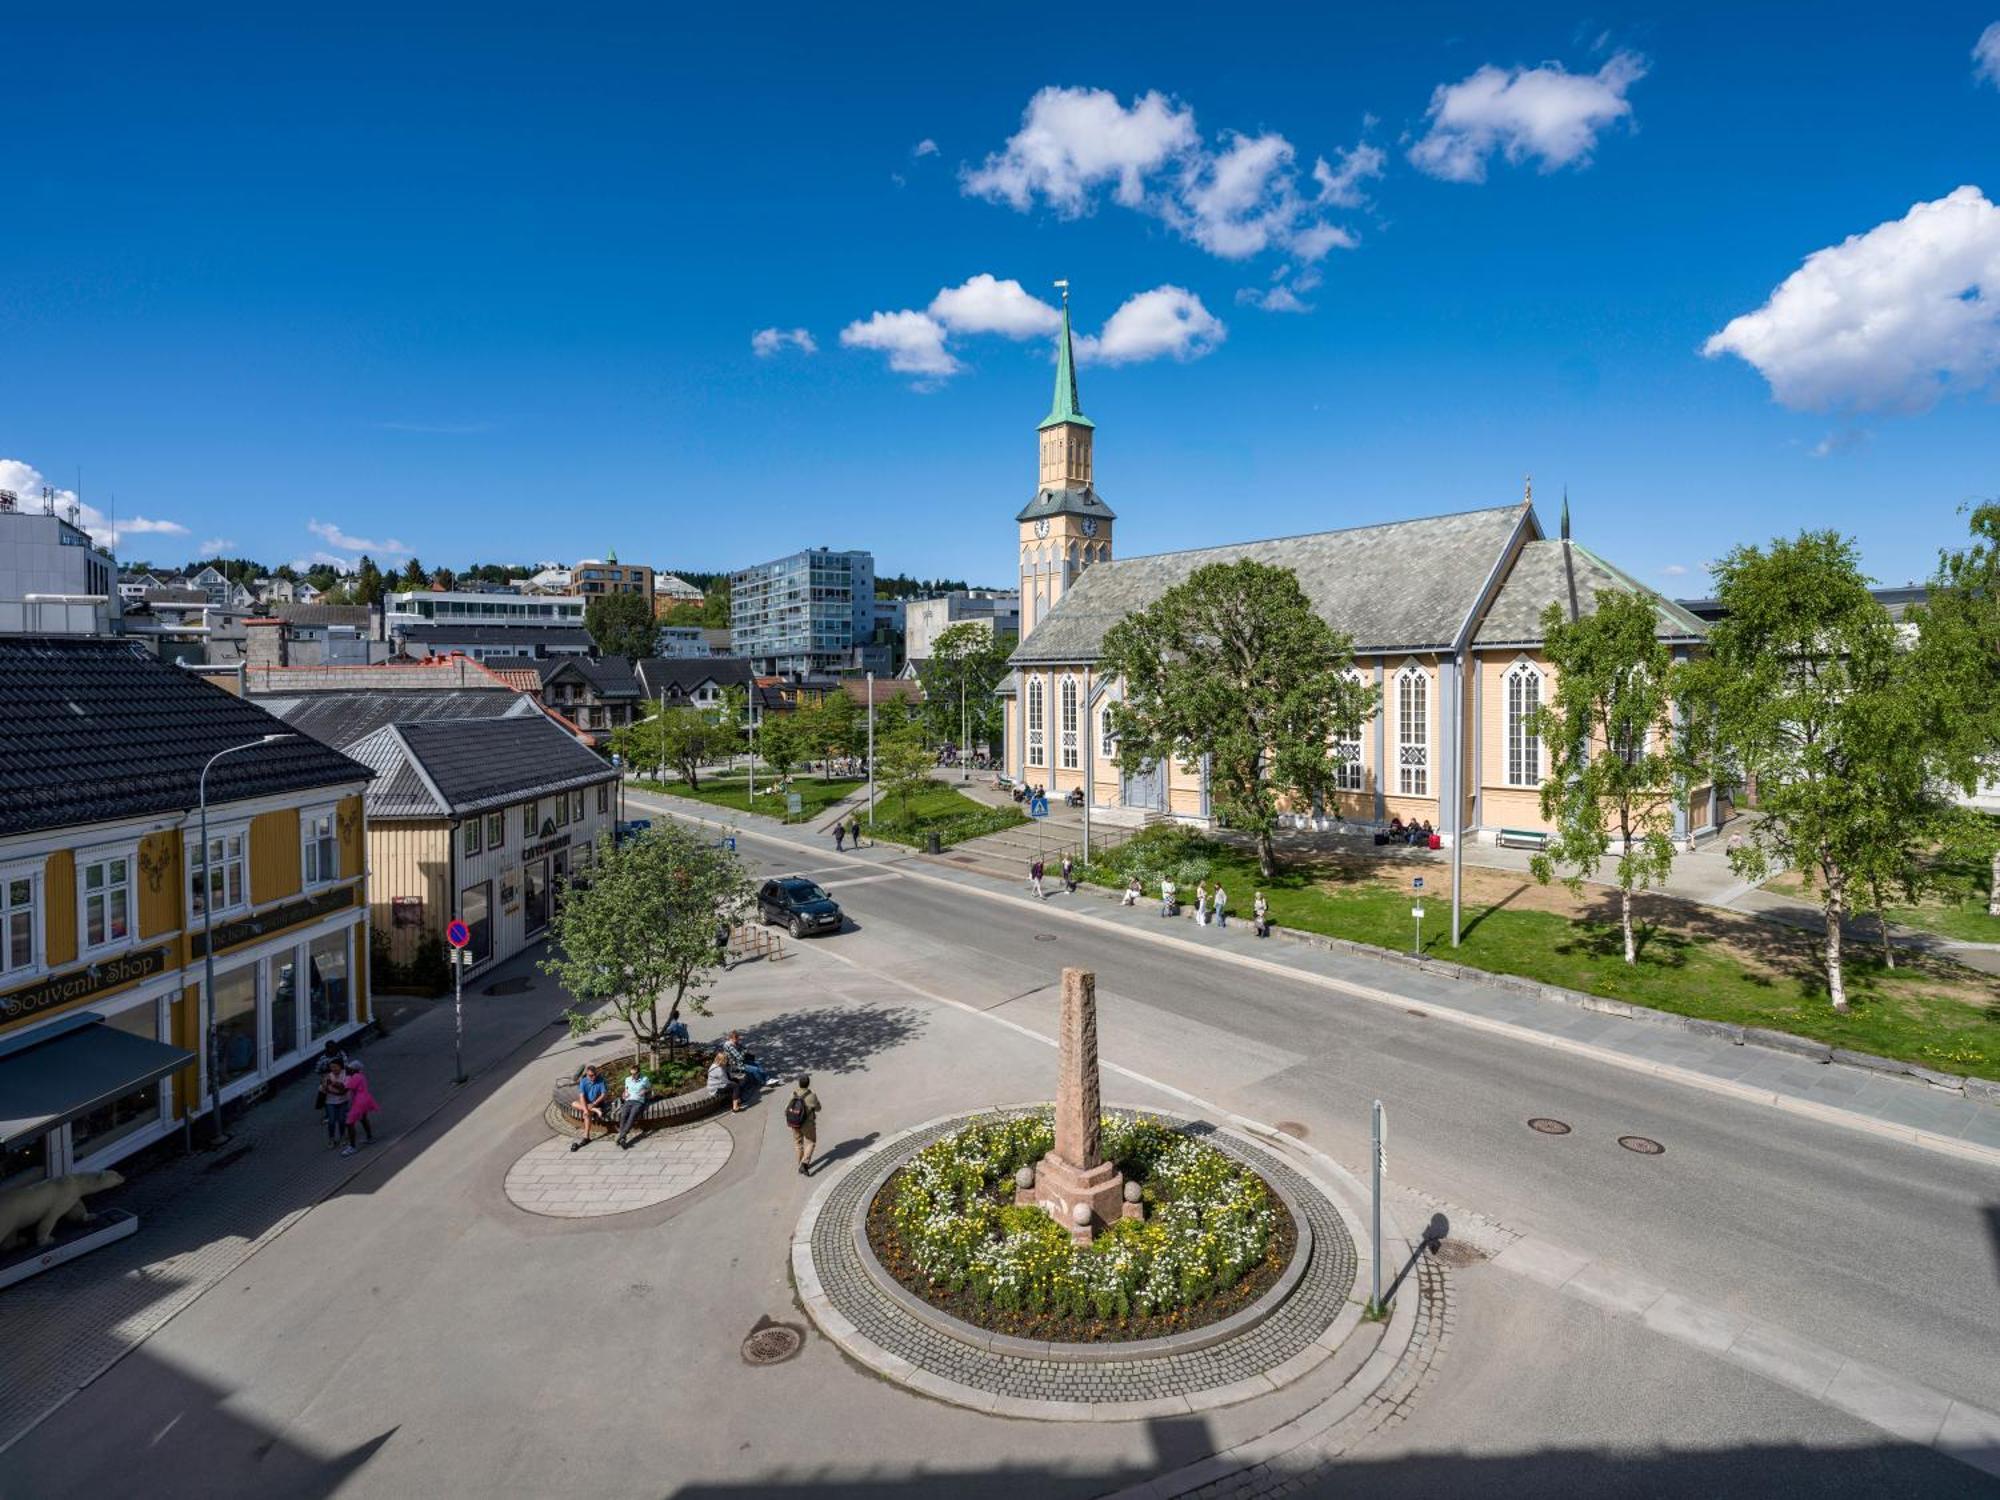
220	882
283	986
332	1006
107	901
475	908
20	921
236	1022
469	836
321	860
580	861
126	1116
496	830
535	877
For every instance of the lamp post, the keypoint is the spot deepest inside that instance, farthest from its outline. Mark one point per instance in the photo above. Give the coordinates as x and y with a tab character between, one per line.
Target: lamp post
964	750
871	752
215	1136
1089	753
660	728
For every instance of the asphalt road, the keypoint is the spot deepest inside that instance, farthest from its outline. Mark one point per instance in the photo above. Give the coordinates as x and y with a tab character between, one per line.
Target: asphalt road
1884	1252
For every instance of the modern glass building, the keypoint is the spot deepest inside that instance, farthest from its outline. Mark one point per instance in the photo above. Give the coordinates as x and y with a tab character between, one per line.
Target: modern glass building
805	613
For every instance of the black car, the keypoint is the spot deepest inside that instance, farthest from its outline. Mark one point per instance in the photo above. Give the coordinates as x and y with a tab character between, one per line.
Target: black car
797	903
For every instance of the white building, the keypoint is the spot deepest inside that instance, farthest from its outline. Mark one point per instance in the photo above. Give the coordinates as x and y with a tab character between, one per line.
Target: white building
465	607
924	620
54	580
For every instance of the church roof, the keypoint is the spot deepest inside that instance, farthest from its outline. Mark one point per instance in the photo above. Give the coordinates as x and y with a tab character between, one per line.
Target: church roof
1568	574
1401	586
1065	407
1054	502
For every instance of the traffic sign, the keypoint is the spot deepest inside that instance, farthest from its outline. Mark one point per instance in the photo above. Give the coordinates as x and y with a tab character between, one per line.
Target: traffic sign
1417	912
1038	808
457	933
1416	882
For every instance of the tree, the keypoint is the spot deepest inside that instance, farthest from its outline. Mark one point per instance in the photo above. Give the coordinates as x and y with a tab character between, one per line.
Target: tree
902	766
367	587
834	727
1235	667
1616	766
643	930
780	741
414	576
443	578
1798	691
684	738
622	625
966	659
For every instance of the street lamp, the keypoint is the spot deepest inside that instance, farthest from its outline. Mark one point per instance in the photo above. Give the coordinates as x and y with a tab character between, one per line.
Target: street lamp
215	1136
964	750
871	753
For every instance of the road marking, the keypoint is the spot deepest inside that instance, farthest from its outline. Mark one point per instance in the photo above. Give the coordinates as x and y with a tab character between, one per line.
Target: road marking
1746	1093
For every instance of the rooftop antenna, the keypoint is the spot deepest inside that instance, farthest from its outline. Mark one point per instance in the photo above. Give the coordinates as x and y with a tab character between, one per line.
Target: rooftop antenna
1528	488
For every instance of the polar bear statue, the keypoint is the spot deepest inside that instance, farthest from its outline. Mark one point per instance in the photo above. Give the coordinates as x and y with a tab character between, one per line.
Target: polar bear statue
40	1206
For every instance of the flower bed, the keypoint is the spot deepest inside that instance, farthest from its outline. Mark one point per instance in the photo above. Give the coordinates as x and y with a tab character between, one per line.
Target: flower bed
1214	1239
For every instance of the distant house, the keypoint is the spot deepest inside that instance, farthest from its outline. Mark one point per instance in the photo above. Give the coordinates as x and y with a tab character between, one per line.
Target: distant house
670	590
305	593
599	696
496	642
691	682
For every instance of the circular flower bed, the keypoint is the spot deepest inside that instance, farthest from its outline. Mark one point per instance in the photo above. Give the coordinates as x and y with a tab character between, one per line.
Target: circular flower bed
1214	1238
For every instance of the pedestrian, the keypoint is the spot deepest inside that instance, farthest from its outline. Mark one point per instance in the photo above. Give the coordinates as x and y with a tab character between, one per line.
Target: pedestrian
839	836
721	1082
1131	892
1201	903
360	1105
1069	875
722	945
637	1093
1169	894
802	1119
331	1097
589	1104
744	1062
1260	909
1221	905
1035	869
854	829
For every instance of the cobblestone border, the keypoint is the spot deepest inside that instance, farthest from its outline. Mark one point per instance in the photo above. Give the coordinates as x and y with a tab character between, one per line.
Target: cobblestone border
1295	1340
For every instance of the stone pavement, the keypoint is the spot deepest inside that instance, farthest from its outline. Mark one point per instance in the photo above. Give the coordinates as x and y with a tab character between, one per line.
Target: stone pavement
605	1178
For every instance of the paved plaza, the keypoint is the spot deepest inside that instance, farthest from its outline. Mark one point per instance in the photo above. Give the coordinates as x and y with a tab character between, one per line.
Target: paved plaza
604	1178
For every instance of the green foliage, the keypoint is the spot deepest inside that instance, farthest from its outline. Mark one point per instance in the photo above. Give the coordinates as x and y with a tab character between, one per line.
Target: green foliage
781	742
902	768
966	665
622	625
943	810
836	727
1208	1224
644	929
369	585
1235	666
685	739
1164	851
1616	765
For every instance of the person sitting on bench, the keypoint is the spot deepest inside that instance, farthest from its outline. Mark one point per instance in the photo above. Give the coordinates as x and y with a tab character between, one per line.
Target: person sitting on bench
721	1081
589	1104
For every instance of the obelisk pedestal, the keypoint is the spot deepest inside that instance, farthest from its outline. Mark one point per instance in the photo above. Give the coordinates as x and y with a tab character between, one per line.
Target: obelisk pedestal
1081	1191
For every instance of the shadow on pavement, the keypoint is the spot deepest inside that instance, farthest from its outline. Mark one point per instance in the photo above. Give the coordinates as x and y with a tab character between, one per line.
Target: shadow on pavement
829	1041
853	1146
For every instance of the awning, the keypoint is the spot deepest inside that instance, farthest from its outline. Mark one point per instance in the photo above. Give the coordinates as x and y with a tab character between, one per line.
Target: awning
55	1073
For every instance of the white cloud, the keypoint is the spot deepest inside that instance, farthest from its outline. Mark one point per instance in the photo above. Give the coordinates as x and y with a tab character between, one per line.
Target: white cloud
1168	321
766	342
27	482
1545	113
924	147
1674	570
1890	320
333	536
332	560
1341	185
1234	201
913	341
217	546
985	304
1273	299
1986	55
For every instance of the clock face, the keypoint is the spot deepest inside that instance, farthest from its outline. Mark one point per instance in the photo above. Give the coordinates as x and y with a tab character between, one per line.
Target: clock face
1042	527
1090	526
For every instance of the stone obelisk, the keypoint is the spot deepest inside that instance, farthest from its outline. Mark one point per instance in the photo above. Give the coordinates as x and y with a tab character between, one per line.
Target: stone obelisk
1081	1190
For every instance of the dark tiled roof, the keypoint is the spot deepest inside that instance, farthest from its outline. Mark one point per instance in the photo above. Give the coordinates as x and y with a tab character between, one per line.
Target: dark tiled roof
610	677
176	595
1052	502
358	615
525	638
443	768
679	676
1543	575
339	719
94	729
1401	586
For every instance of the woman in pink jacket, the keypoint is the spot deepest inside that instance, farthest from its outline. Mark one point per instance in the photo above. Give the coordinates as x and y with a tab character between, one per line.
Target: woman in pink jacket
360	1105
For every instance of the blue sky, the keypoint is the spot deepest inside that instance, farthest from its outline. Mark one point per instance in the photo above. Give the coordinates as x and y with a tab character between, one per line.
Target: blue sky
486	284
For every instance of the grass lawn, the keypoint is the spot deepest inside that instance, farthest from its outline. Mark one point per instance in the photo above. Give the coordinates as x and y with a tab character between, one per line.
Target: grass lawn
943	810
1956	910
1693	961
732	792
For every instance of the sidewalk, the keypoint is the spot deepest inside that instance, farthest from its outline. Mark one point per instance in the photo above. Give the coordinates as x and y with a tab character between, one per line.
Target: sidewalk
1883	1104
204	1214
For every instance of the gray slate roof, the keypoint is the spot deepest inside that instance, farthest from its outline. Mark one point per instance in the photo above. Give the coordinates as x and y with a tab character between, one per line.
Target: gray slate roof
1083	502
679	676
341	718
608	677
450	768
528	639
1400	586
1564	573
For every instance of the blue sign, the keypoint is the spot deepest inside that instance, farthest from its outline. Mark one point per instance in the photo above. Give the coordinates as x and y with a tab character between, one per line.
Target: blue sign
1416	882
1038	808
457	933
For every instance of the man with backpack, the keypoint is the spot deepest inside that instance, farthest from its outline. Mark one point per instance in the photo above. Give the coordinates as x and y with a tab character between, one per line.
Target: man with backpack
802	1119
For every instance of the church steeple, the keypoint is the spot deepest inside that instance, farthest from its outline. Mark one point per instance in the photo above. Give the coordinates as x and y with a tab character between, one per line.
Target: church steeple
1066	528
1066	407
1066	431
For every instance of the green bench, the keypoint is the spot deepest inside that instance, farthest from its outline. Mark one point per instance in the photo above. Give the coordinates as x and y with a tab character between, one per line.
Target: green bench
1522	838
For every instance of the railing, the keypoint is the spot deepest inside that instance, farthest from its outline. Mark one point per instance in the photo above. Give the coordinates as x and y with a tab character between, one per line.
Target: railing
754	942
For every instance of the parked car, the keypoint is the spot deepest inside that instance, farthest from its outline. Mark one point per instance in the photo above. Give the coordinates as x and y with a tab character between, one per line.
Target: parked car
631	828
796	903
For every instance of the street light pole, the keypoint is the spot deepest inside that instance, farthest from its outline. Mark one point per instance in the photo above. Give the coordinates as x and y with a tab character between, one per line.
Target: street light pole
871	752
214	1060
964	750
660	729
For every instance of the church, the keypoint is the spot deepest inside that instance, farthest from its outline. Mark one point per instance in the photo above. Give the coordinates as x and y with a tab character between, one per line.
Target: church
1445	615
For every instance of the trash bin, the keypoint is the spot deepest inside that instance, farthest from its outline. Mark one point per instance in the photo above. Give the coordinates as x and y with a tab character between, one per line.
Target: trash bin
932	844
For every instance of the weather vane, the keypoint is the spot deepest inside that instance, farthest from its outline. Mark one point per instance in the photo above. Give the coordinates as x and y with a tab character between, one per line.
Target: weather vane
1063	287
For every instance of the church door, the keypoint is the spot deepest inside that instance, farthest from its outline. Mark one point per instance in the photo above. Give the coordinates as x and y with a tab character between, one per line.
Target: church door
1146	790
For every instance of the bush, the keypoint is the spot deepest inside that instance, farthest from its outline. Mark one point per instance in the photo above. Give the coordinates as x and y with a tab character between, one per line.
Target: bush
1165	849
1209	1222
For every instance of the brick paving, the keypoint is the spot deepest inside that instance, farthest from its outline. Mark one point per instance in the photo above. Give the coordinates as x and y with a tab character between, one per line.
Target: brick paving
558	1183
1288	1332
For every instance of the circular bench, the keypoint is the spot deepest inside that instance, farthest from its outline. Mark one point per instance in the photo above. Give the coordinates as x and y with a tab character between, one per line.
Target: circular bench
660	1114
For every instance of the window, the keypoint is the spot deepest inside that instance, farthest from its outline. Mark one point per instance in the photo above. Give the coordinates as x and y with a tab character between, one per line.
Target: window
326	976
1347	753
110	1123
531	819
1069	759
604	799
535	878
496	830
107	901
236	1022
562	810
474	909
580	860
576	806
1106	737
470	834
220	882
283	985
1037	753
20	920
1524	746
1413	734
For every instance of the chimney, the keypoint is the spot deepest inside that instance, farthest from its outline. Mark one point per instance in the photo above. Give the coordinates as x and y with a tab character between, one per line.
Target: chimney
264	643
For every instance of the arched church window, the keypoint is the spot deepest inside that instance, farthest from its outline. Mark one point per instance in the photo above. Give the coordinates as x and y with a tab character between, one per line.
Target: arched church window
1413	733
1524	746
1037	740
1347	755
1069	724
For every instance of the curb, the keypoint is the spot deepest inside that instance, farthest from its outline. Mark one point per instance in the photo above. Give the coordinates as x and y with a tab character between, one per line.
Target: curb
1669	1072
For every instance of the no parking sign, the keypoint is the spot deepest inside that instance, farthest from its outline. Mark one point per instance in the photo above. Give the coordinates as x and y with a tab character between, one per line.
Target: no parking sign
457	933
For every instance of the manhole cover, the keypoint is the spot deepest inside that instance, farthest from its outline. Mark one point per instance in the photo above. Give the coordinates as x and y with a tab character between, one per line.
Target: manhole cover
1292	1128
1045	937
509	987
1642	1145
1547	1126
772	1344
1458	1254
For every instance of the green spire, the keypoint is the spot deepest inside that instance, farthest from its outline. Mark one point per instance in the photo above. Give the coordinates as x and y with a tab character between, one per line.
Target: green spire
1565	522
1065	407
